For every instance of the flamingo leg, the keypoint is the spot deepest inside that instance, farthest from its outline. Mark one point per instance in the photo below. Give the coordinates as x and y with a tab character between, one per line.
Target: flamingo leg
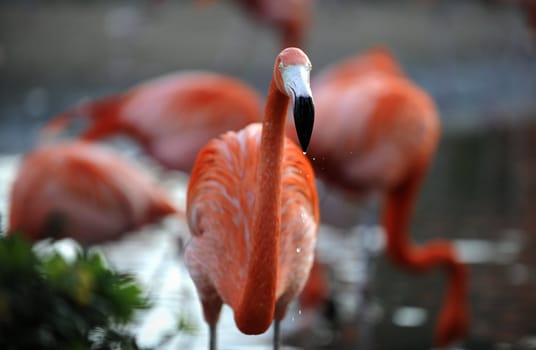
212	337
277	338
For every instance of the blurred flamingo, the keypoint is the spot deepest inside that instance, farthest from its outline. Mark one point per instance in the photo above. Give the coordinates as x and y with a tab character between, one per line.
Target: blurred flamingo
252	208
291	18
171	117
377	131
82	191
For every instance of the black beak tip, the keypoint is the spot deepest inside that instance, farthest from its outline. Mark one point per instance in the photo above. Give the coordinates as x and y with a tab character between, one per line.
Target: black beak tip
304	115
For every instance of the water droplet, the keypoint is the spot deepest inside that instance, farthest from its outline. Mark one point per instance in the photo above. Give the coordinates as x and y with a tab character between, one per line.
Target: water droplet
314	158
298	250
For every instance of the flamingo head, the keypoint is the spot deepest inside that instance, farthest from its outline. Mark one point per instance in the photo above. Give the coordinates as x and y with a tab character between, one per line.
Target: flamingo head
292	77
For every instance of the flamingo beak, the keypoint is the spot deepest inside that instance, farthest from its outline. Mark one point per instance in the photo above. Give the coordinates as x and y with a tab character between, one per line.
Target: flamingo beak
296	82
304	116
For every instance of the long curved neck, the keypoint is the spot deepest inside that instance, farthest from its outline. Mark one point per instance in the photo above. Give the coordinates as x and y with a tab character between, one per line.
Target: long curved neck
256	309
397	213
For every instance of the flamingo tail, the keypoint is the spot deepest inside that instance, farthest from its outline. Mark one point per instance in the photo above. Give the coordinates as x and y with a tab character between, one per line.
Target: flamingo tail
164	207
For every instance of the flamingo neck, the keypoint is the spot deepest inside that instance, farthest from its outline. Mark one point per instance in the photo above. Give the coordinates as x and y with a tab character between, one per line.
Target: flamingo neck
397	213
256	309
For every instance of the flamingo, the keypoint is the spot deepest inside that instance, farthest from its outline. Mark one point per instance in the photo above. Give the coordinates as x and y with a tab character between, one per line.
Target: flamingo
82	191
252	209
376	131
171	117
291	18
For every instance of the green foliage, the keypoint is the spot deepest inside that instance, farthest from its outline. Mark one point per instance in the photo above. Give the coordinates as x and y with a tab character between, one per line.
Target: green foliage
50	303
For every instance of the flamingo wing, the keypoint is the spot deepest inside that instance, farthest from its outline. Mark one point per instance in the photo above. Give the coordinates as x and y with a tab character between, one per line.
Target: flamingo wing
299	226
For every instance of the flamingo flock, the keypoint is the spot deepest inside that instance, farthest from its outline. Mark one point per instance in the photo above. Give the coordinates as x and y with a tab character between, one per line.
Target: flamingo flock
361	126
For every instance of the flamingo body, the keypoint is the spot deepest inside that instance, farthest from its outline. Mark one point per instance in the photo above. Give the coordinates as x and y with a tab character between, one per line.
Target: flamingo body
171	117
229	159
82	191
385	124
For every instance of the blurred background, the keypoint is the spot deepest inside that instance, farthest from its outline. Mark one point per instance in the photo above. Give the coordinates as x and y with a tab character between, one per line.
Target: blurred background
477	59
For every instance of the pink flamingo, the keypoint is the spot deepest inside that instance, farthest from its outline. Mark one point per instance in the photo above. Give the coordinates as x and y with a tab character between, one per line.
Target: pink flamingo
82	191
377	131
252	208
171	117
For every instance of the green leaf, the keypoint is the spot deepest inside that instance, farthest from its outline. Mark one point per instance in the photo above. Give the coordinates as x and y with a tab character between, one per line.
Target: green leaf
47	302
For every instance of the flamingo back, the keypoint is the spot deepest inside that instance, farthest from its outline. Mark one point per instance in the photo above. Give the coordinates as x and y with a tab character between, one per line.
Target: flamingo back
175	116
223	184
376	60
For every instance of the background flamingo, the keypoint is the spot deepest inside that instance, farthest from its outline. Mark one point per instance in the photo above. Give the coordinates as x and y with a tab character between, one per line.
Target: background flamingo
377	131
82	191
291	18
252	209
171	117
